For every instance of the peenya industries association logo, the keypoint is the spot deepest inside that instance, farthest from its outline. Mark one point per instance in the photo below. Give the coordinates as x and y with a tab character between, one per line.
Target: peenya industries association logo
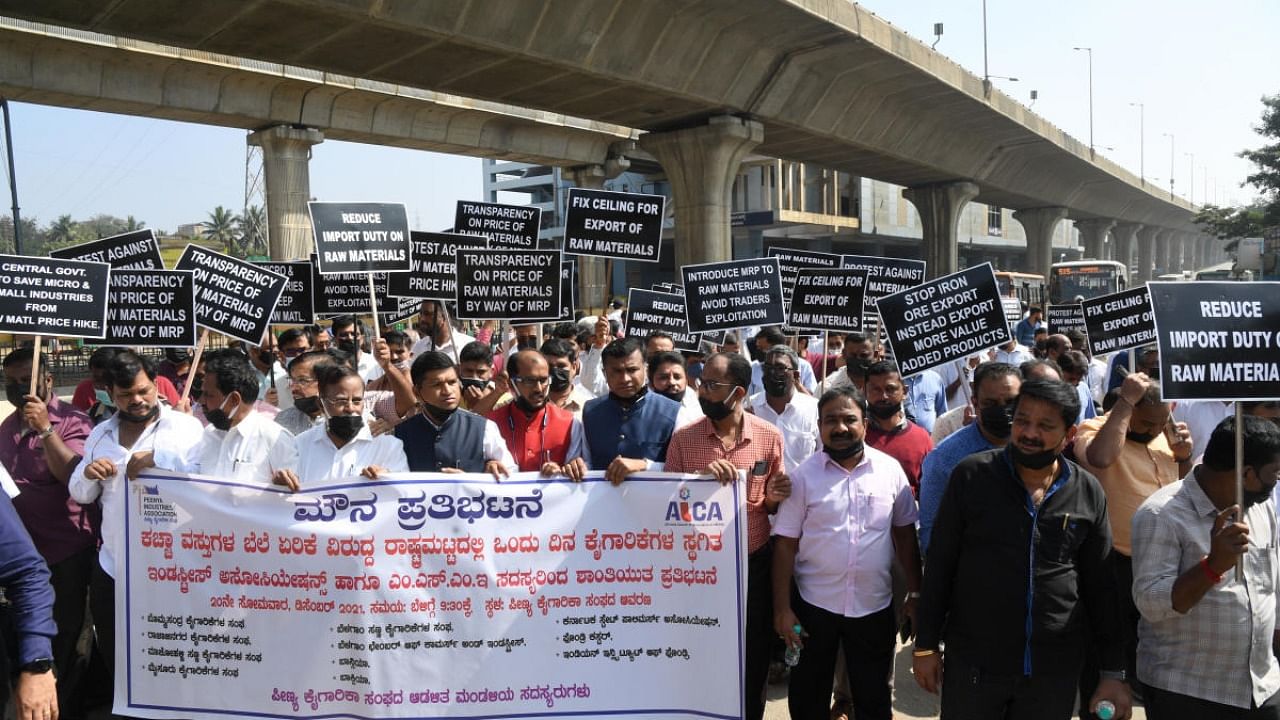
152	507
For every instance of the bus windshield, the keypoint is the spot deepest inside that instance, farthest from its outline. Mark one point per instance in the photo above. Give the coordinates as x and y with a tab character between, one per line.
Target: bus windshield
1069	284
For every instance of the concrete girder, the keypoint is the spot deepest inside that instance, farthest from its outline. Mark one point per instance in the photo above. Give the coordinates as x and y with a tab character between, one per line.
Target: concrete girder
701	164
939	207
1039	225
286	157
1093	235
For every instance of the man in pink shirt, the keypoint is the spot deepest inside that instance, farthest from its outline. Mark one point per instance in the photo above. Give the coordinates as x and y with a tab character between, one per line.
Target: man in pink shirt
850	512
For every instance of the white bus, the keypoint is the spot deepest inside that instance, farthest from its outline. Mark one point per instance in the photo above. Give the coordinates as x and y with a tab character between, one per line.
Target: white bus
1071	282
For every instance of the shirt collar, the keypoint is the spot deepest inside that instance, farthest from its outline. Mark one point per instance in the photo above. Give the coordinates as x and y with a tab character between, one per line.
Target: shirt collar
1200	502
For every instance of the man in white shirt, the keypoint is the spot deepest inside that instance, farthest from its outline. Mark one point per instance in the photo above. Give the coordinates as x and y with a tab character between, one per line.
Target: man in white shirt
1012	353
239	443
141	433
667	377
795	414
342	446
436	333
349	336
565	393
771	337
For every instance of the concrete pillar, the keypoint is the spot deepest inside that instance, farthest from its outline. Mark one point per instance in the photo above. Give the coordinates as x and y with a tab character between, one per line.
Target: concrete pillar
939	207
701	163
286	153
1148	239
1039	225
1125	235
1093	235
1175	252
1162	253
593	283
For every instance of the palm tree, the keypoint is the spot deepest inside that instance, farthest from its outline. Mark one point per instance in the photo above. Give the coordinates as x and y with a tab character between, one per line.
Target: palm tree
221	228
131	224
62	231
252	226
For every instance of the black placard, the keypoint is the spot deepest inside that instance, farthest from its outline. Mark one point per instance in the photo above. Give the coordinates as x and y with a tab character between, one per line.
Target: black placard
151	308
827	300
435	273
1119	321
668	288
361	237
505	226
345	293
233	297
944	319
48	296
791	260
515	285
296	304
733	294
568	279
1218	340
136	250
885	276
649	311
392	310
1061	318
603	223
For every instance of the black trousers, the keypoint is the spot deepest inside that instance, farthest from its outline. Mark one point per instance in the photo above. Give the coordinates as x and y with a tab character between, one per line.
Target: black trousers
1121	567
868	644
70	579
759	629
102	603
1166	705
969	694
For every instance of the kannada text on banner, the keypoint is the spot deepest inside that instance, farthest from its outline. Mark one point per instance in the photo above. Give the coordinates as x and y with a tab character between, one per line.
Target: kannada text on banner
431	595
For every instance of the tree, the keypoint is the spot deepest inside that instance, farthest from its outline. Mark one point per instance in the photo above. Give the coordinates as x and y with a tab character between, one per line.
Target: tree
61	231
252	226
1266	160
1231	222
221	228
132	224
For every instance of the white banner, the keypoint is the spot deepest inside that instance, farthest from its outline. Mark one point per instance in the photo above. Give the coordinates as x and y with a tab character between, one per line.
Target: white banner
432	595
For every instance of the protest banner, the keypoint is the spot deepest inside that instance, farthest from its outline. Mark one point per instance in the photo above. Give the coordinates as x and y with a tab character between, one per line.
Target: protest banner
345	293
296	305
791	260
233	297
734	294
1218	340
1012	309
668	288
885	276
827	300
505	226
135	250
151	308
1061	318
1119	321
649	311
431	595
48	296
945	319
568	281
623	226
434	275
360	237
514	285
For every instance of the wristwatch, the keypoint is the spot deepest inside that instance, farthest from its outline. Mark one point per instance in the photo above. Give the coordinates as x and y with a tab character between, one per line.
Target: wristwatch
39	666
1112	675
45	432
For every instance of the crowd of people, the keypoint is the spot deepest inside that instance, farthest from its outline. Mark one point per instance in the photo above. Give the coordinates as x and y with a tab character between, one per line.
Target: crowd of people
1046	527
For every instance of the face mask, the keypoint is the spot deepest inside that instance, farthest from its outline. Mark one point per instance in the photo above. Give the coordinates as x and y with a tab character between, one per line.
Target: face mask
560	379
15	394
402	366
308	405
776	385
857	367
526	342
1140	438
347	346
675	395
715	410
266	356
839	454
1036	460
344	427
439	415
129	417
1154	373
219	418
884	411
177	356
474	383
997	420
103	398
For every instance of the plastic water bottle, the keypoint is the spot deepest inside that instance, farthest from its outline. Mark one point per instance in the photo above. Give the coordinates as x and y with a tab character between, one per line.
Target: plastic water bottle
1105	710
792	657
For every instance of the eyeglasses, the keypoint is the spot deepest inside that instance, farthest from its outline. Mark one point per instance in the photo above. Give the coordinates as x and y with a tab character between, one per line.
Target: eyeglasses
713	385
303	381
344	402
293	352
777	369
531	381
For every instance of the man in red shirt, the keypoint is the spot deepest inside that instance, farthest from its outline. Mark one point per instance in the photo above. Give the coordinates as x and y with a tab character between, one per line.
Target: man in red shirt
890	431
723	442
541	436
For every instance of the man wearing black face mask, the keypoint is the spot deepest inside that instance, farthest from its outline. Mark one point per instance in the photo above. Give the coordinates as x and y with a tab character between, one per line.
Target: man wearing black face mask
889	430
304	391
176	366
348	335
995	389
794	413
1134	450
562	357
667	378
142	432
859	354
1016	582
541	436
342	445
729	440
1204	650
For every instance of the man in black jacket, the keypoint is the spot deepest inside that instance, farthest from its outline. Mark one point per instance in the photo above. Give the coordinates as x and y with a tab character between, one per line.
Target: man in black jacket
1015	580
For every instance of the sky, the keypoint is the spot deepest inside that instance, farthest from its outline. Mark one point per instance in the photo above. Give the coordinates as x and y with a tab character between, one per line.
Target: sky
1199	68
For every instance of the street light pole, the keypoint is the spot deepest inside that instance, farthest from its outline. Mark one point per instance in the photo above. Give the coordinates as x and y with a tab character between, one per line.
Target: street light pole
1142	141
1171	168
1191	192
1090	51
986	76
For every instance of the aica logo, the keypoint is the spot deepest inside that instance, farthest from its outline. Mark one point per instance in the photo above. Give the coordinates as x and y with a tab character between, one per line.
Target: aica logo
690	512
